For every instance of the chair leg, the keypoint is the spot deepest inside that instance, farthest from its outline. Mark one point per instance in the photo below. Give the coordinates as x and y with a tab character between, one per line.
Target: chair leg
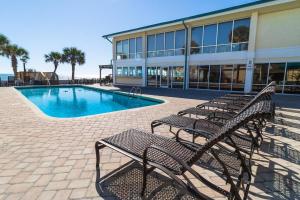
145	172
98	146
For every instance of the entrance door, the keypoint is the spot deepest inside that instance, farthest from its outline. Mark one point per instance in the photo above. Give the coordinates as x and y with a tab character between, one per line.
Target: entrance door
164	76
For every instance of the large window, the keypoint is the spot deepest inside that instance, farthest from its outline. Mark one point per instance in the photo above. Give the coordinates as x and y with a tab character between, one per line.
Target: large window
177	76
166	44
260	76
196	42
226	77
139	47
276	73
292	78
151	46
238	78
193	83
131	48
179	42
223	77
134	72
240	34
214	77
160	44
170	43
203	76
222	37
286	76
209	41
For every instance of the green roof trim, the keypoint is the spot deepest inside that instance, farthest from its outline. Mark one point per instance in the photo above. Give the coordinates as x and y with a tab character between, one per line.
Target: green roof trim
191	17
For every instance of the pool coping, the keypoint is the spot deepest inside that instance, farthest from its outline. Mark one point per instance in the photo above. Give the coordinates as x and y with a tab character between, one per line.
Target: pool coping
40	113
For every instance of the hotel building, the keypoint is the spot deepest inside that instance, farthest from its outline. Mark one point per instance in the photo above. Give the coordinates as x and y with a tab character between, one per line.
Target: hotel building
240	48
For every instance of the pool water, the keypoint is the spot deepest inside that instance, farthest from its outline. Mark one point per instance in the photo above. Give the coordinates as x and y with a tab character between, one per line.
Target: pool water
78	101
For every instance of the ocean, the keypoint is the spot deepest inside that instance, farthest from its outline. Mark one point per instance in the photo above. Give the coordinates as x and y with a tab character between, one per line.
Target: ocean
3	77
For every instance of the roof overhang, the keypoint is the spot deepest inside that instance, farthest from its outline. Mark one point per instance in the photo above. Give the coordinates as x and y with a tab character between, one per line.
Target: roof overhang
225	11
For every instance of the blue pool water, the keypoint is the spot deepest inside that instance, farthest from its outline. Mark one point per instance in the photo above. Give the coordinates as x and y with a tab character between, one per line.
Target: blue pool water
78	101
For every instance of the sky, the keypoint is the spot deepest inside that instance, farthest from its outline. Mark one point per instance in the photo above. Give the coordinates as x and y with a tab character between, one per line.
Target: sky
42	26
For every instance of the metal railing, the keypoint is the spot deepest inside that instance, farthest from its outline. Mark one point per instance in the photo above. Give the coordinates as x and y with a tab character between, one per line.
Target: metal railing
135	90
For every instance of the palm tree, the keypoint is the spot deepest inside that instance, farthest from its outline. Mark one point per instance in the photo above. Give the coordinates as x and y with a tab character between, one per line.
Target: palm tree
54	57
24	57
3	42
73	56
12	51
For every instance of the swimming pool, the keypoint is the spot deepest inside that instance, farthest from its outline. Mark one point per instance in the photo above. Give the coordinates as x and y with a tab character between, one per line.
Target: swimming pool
79	101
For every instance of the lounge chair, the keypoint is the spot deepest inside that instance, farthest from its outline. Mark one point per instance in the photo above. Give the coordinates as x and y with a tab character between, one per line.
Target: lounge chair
230	104
176	157
215	118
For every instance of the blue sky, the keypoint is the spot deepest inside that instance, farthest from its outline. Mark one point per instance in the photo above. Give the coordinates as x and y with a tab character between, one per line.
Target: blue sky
41	26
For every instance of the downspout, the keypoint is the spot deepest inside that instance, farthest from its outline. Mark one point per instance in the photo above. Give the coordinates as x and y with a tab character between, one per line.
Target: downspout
185	55
111	61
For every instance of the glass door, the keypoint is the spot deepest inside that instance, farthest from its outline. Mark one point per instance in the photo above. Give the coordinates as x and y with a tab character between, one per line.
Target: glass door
164	76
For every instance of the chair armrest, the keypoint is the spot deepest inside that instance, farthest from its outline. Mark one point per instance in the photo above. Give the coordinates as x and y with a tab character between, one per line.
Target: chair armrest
166	152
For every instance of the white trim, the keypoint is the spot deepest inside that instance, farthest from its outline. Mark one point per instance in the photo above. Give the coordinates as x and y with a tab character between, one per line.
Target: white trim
283	52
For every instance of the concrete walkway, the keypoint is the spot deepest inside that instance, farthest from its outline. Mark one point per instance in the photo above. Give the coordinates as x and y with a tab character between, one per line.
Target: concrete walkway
46	158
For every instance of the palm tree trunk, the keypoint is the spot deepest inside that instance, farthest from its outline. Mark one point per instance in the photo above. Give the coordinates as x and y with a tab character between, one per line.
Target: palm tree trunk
14	64
73	72
24	67
54	72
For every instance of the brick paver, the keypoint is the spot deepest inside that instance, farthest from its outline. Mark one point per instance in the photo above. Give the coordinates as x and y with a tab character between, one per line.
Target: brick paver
47	158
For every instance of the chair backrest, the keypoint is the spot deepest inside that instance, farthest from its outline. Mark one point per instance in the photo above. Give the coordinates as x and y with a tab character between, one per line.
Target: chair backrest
260	109
264	94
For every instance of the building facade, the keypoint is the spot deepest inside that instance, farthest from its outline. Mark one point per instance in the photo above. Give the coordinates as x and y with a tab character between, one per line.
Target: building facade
241	48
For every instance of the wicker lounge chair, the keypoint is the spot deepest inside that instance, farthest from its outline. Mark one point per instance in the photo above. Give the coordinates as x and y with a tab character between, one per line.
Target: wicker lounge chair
176	157
230	104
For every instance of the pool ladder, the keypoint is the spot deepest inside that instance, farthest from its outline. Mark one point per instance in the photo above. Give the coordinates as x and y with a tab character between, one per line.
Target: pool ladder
134	91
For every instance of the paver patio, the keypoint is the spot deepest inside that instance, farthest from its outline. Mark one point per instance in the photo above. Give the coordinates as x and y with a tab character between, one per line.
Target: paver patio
47	158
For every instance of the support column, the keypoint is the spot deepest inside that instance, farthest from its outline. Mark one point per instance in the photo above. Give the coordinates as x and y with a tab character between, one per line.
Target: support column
251	53
145	59
187	78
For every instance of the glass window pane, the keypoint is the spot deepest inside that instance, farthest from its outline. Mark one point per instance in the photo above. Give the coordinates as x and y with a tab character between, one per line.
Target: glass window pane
177	77
193	76
203	73
139	71
238	79
160	42
119	47
132	71
125	71
139	44
224	48
260	73
170	40
209	49
132	45
193	73
292	74
195	50
197	36
276	73
180	39
226	73
214	74
239	72
224	33
151	43
210	32
241	30
151	76
119	71
125	46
